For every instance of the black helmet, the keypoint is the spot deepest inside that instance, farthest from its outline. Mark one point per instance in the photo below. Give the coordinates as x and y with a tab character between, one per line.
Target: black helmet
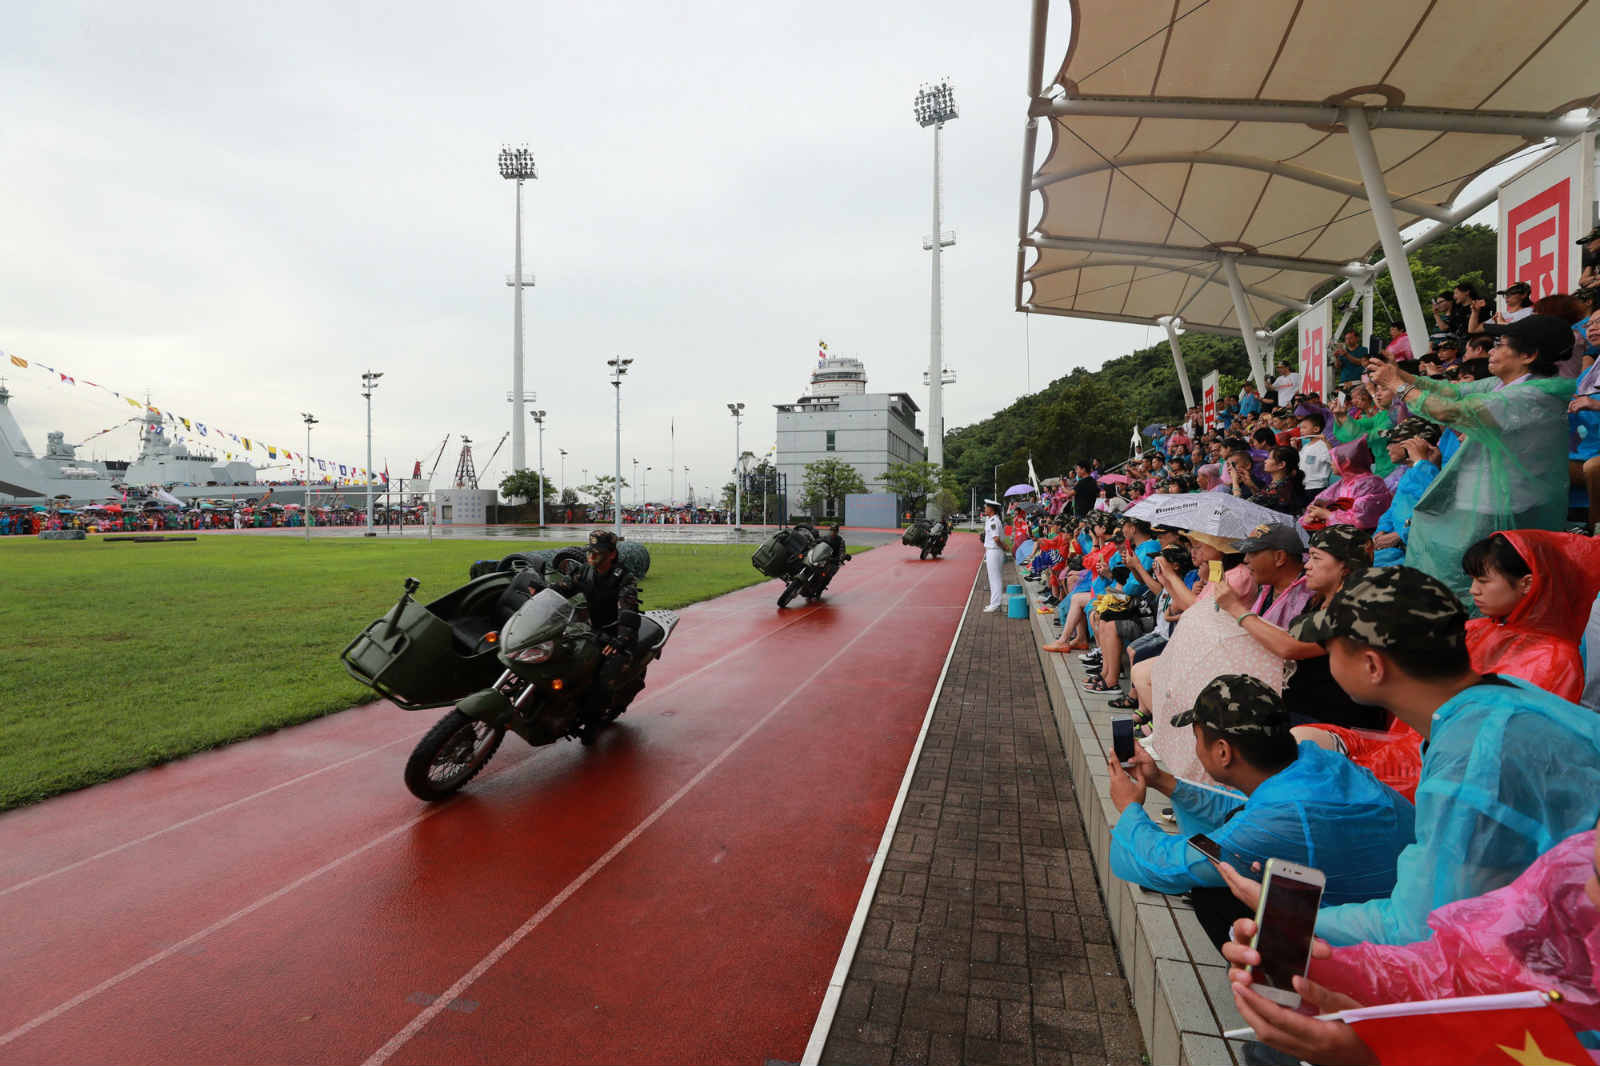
603	540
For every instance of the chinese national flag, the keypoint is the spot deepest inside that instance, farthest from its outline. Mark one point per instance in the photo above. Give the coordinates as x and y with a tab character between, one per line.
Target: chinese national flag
1508	1029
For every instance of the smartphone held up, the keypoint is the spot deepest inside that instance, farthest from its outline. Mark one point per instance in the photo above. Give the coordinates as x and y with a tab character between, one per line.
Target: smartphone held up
1286	918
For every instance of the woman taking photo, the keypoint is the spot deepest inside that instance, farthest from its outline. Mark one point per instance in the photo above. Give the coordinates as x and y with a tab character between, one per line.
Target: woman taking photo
1510	471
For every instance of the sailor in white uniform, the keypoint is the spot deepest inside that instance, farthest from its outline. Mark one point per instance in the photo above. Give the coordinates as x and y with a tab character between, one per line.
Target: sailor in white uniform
994	555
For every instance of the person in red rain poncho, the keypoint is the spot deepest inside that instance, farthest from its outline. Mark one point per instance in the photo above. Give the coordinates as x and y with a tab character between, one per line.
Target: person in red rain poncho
1019	527
1535	590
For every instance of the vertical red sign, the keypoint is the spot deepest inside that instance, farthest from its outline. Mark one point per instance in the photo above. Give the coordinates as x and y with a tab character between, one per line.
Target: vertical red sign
1539	231
1312	364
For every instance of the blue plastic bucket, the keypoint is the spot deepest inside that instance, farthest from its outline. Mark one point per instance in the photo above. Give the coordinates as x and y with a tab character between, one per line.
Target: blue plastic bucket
1012	590
1017	607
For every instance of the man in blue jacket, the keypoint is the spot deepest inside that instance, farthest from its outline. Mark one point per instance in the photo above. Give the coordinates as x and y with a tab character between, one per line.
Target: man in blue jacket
1297	802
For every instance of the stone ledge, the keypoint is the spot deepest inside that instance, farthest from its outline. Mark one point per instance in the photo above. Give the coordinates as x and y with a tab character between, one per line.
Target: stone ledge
1178	977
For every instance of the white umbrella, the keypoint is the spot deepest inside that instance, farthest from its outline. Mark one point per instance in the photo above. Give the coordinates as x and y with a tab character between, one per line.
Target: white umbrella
1216	513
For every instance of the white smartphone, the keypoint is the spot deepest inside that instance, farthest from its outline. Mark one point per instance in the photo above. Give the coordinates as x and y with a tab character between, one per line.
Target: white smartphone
1286	917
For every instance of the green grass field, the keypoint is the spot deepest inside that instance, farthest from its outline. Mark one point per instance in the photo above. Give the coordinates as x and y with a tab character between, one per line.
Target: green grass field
121	656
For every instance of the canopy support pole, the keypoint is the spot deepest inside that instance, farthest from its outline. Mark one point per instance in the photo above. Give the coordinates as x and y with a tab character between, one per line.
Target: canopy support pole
1247	325
1394	251
1366	316
1177	362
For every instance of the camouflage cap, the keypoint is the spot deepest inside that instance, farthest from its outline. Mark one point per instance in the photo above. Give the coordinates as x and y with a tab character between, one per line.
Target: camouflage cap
1414	427
603	539
1238	705
1351	545
1388	607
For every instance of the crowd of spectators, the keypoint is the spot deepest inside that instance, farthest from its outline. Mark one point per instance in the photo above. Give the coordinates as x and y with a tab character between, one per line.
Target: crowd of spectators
1387	678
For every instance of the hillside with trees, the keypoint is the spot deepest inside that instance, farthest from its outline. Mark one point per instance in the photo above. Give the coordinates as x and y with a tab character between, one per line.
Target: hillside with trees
1092	412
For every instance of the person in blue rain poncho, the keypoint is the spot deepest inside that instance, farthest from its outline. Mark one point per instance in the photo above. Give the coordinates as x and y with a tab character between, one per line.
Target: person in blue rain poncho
1508	771
1299	802
1511	469
1414	441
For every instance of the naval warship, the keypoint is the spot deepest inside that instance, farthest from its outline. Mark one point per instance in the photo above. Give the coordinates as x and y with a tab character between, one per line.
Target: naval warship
27	478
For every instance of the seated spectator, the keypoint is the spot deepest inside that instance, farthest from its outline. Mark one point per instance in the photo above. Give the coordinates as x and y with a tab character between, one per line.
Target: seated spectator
1509	768
1510	471
1413	446
1540	933
1285	491
1316	461
1358	498
1335	553
1297	802
1583	429
1399	346
1209	478
1114	631
1535	590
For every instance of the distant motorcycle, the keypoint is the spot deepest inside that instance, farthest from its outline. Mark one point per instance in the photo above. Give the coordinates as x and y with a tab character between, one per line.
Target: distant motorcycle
527	650
930	538
801	559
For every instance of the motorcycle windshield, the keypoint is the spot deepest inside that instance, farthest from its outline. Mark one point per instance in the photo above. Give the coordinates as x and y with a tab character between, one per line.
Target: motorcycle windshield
542	618
820	555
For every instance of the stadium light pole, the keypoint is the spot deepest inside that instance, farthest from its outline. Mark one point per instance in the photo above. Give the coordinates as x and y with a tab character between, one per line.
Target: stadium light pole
619	367
645	486
538	419
369	382
737	410
935	105
516	164
305	516
636	481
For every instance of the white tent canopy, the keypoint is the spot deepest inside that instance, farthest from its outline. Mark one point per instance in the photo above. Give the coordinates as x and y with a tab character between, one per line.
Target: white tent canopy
1217	160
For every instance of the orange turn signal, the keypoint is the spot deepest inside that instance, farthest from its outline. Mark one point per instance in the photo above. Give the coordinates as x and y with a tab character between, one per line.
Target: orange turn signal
493	637
556	685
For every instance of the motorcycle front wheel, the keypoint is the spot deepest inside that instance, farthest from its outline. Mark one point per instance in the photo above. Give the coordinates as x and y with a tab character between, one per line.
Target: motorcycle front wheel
451	753
790	590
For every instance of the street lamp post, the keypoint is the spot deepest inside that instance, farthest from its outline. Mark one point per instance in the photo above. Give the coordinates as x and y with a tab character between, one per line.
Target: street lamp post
936	105
636	481
619	367
737	410
369	381
562	499
688	488
538	418
516	164
645	486
305	515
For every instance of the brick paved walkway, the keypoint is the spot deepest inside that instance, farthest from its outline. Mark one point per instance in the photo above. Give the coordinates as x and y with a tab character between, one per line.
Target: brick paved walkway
987	939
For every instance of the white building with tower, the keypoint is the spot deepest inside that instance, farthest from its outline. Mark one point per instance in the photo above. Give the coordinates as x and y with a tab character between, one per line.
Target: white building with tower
839	419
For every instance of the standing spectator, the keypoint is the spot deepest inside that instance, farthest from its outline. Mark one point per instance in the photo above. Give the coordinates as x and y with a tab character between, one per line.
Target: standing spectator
1509	471
1316	462
1249	400
1287	383
1399	346
1084	491
1351	355
1519	302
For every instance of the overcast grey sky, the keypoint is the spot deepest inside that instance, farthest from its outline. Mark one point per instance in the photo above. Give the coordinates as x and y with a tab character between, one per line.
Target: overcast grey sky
241	207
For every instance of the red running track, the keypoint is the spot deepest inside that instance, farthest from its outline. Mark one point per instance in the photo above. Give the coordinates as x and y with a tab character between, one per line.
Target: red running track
678	893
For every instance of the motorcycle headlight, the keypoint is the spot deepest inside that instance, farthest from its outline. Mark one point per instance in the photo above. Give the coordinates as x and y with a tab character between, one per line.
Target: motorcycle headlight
535	653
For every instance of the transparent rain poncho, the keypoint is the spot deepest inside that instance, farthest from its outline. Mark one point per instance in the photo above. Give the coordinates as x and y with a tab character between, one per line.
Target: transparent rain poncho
1539	933
1510	472
1509	772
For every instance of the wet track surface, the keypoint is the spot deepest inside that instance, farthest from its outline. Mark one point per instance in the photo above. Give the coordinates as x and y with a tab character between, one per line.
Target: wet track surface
678	893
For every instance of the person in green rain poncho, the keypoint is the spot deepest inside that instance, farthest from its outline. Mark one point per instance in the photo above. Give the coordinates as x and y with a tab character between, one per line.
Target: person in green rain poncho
1367	415
1510	471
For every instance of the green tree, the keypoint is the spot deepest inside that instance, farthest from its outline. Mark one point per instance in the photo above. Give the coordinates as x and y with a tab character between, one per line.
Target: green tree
827	482
525	484
913	483
603	490
946	503
569	497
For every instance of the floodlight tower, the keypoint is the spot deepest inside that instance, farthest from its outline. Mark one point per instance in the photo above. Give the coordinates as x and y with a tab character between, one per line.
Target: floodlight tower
369	385
619	367
516	164
936	105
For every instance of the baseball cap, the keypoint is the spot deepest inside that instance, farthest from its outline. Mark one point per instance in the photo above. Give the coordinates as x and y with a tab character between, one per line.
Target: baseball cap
1516	287
1549	334
1237	705
1271	537
1592	235
1413	427
1447	340
1388	607
1351	545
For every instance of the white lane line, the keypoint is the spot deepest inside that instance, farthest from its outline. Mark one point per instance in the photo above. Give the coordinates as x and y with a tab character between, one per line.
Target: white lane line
203	815
847	953
505	946
140	967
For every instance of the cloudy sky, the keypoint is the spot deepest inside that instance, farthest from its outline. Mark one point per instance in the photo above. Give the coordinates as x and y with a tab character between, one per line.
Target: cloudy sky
241	207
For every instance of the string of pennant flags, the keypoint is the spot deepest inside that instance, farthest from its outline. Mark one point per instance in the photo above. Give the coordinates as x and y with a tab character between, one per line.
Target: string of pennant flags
207	435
